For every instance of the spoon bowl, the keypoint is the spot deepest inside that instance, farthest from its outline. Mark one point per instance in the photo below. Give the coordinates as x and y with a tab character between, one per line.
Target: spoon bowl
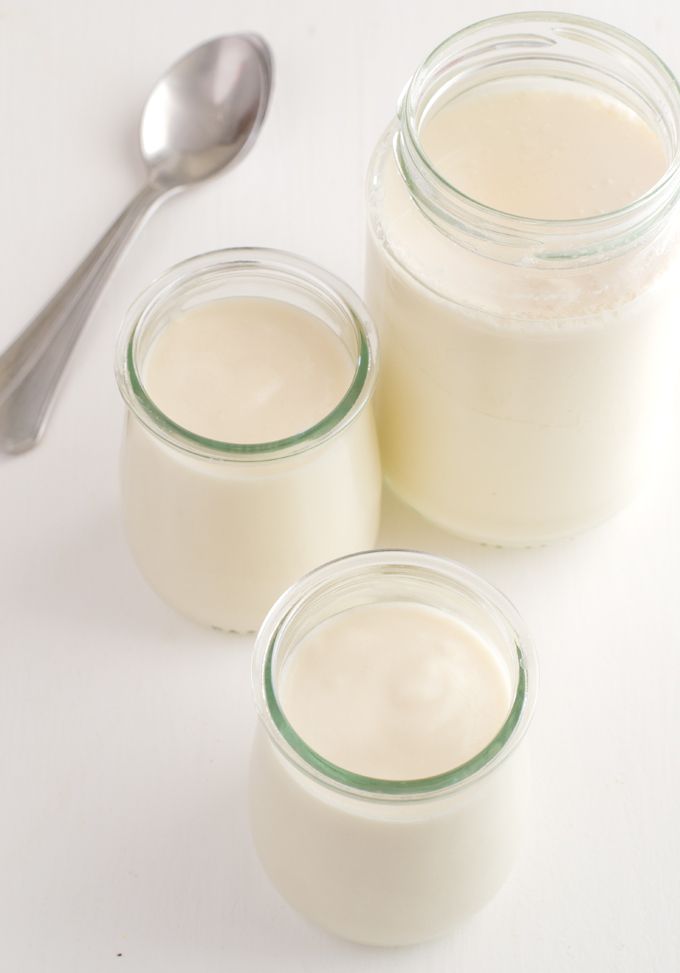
206	111
202	116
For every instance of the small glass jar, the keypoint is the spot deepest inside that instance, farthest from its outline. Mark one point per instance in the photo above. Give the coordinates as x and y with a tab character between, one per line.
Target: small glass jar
525	362
221	529
388	862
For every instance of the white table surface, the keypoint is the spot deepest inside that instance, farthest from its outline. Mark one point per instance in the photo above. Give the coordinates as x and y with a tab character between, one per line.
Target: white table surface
125	730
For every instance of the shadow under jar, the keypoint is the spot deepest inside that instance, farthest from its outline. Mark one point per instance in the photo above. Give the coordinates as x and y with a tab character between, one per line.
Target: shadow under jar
220	529
525	353
378	860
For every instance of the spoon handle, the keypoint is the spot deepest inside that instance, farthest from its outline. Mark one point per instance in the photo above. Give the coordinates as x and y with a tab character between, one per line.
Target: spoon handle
30	369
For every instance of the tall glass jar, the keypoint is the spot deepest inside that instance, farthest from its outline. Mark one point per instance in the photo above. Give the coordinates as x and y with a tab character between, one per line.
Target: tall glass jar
388	862
221	529
525	371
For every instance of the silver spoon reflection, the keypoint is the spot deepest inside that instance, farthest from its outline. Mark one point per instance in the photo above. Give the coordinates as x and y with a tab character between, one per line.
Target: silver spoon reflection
201	118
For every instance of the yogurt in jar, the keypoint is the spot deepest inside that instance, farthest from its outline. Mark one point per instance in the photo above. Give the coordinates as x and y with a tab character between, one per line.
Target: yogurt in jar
250	453
247	370
395	690
389	785
522	252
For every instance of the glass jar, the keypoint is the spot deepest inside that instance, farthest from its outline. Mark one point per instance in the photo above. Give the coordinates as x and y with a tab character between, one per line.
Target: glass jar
221	529
388	862
525	362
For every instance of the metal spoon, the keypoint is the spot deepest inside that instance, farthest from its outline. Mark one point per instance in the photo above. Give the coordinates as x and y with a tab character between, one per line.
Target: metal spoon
202	116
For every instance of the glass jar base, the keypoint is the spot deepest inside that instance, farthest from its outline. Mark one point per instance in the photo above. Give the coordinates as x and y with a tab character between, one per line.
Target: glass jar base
496	540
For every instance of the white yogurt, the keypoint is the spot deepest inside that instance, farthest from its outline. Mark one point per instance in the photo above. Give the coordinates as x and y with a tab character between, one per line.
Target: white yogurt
250	453
396	690
522	395
548	152
247	370
388	794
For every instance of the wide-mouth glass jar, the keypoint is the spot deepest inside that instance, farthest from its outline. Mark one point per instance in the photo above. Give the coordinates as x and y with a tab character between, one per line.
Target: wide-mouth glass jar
525	362
388	862
220	529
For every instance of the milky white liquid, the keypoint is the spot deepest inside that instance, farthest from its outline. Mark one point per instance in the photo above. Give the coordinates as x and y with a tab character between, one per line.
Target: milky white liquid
518	403
549	154
221	539
247	370
395	691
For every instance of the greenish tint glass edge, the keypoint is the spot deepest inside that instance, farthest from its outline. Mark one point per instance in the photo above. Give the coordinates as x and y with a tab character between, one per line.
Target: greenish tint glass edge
379	786
325	425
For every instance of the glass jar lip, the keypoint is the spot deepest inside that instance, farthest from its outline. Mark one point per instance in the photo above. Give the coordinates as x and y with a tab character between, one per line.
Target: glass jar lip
407	114
293	747
279	265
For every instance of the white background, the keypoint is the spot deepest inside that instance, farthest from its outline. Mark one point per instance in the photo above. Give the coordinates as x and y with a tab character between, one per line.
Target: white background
124	730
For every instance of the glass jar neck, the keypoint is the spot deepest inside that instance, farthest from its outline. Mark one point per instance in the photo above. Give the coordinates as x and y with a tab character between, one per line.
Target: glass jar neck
251	272
534	46
369	578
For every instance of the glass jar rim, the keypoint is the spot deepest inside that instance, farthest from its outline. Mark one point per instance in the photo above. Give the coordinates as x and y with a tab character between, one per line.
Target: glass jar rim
279	266
331	775
446	202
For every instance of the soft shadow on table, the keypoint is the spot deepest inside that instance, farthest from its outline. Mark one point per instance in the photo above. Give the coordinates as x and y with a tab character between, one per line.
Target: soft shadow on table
402	527
198	853
87	579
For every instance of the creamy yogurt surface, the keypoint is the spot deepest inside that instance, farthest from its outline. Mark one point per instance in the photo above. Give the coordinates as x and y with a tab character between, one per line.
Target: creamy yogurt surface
247	370
395	690
548	152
